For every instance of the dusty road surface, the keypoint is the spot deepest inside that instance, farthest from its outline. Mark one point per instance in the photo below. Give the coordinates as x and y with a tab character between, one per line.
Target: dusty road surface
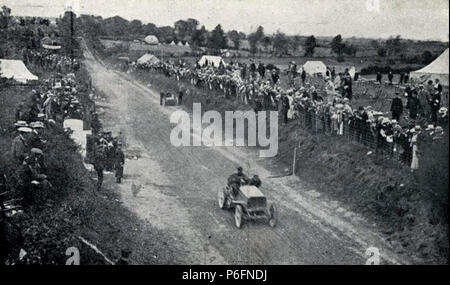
178	190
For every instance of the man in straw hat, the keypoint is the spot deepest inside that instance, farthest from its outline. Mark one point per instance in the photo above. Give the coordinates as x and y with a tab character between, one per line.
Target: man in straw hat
31	177
19	144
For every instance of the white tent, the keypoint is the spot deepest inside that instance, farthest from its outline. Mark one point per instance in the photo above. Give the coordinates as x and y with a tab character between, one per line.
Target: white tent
148	58
180	44
151	40
437	69
314	67
187	44
16	69
212	60
352	71
172	43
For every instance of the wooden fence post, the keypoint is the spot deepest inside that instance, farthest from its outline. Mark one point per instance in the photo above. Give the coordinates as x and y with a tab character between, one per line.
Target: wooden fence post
293	162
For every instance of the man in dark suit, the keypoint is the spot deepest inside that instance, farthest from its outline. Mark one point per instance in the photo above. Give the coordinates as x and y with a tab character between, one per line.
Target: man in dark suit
161	98
396	107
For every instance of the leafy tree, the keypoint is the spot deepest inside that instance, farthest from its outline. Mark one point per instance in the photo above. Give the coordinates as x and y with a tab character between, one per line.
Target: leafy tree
253	41
381	51
280	43
266	41
149	29
217	39
185	29
350	49
310	45
255	38
91	26
426	57
116	27
393	45
166	34
235	38
375	44
259	34
135	27
5	15
199	37
337	46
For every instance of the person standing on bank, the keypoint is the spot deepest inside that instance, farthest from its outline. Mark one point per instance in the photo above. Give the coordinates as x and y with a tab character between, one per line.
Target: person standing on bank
99	164
396	107
119	161
180	97
19	145
161	98
390	77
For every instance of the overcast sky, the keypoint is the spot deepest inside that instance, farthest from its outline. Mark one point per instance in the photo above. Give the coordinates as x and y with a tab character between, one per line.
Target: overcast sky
415	19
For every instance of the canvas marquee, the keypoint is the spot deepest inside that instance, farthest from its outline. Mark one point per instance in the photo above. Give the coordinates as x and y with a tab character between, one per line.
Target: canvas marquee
16	69
438	69
148	58
315	67
212	60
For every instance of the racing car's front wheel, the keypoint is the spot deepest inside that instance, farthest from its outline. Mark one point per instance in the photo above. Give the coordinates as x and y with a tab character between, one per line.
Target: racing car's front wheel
272	215
221	198
238	216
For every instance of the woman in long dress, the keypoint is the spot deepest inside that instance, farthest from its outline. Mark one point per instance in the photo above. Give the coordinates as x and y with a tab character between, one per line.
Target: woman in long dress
415	151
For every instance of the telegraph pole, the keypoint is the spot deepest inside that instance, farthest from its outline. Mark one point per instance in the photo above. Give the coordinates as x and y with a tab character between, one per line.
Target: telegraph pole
71	38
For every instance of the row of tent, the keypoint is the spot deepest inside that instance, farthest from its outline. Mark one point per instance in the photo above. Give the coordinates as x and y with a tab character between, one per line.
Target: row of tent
153	40
209	59
438	69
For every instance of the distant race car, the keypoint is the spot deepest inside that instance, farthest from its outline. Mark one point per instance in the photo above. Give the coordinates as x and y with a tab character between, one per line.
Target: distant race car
249	203
170	100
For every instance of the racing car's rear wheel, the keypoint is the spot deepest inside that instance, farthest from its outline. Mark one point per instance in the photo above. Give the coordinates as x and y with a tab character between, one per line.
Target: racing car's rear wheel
238	216
221	198
272	215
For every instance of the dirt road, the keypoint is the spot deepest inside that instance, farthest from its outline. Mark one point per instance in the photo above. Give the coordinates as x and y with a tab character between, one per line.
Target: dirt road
179	190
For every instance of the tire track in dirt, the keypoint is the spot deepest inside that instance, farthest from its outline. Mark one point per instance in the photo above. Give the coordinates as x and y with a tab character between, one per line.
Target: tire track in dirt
318	211
306	233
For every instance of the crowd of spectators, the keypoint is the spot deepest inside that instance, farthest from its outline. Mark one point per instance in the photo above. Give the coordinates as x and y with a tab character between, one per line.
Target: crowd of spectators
44	111
49	60
323	103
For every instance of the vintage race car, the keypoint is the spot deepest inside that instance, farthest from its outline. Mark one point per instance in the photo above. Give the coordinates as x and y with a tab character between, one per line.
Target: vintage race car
248	203
170	100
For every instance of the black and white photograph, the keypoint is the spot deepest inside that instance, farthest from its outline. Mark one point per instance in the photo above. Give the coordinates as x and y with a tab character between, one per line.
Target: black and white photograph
240	133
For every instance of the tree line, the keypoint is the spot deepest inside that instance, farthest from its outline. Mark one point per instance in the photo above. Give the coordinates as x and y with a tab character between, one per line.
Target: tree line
70	26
